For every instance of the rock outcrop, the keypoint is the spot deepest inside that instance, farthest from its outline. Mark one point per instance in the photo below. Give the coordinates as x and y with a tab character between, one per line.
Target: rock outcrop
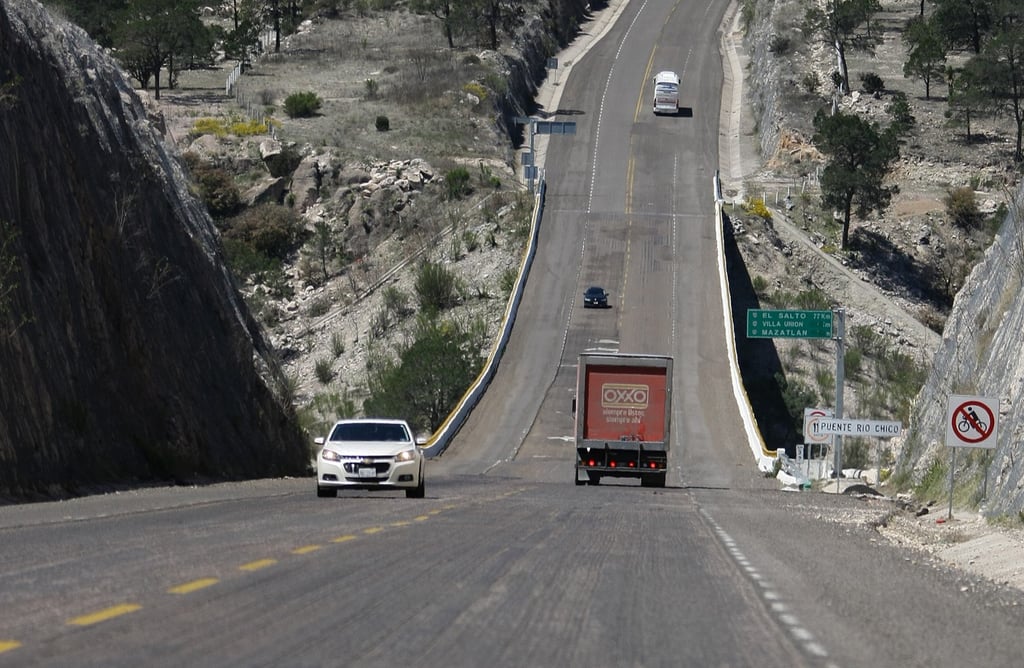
980	355
126	352
980	350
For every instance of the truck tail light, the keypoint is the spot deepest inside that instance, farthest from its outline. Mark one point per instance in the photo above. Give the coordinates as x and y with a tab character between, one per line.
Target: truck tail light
654	465
591	463
632	465
611	464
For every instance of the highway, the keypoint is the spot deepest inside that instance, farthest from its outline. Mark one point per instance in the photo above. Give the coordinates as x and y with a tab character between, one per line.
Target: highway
506	562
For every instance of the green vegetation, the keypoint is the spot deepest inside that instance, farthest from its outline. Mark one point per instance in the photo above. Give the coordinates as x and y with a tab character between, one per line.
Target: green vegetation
962	208
216	187
428	376
302	105
755	206
860	156
457	184
324	370
437	288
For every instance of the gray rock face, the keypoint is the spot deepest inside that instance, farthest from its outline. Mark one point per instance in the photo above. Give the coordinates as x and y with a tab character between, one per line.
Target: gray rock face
126	352
980	355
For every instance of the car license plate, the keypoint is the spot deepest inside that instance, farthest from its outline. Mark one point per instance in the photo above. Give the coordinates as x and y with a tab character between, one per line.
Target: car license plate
365	472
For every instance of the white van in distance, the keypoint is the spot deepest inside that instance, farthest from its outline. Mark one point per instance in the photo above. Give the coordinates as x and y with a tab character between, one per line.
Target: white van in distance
666	93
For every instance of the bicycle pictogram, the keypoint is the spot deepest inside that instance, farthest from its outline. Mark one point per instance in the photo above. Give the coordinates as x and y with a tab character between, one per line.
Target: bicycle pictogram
970	421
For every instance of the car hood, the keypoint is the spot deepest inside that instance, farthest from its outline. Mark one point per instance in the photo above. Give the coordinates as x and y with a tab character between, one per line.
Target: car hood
368	448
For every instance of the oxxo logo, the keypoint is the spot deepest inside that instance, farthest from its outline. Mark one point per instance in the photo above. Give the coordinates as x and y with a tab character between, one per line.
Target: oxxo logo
624	395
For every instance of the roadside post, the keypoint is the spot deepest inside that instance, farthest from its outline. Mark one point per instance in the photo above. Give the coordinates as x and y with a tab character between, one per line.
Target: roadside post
970	423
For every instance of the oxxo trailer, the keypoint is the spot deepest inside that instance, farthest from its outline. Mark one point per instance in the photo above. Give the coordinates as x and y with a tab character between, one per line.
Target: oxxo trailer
623	409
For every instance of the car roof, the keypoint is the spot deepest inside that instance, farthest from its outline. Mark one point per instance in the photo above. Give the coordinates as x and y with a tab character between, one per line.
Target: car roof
595	288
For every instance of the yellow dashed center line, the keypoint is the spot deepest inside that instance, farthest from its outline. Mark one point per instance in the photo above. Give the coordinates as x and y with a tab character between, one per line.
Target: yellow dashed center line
421	518
402	523
190	587
373	530
104	615
343	539
306	549
257	565
436	512
8	645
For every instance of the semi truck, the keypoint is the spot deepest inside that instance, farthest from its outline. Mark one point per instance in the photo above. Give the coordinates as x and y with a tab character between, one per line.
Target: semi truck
666	93
623	410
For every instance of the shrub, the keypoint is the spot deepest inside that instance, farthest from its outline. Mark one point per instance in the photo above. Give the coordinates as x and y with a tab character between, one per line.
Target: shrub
324	370
302	105
811	83
217	189
395	301
962	208
508	280
779	44
852	362
475	89
337	344
318	307
383	124
813	299
208	126
899	112
760	286
372	88
248	128
269	229
871	83
457	183
436	287
755	206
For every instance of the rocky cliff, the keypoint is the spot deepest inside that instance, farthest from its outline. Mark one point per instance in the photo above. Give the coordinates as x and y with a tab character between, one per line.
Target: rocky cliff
980	350
981	356
126	353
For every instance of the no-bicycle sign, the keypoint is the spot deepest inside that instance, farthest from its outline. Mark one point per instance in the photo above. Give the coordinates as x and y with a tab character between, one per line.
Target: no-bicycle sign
971	422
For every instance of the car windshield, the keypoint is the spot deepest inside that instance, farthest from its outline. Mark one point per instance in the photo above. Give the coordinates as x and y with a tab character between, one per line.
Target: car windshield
369	431
595	292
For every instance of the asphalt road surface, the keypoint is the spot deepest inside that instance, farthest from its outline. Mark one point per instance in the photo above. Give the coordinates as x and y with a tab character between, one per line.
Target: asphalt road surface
507	562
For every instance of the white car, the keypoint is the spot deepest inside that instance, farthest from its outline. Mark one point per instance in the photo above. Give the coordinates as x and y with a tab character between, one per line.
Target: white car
370	454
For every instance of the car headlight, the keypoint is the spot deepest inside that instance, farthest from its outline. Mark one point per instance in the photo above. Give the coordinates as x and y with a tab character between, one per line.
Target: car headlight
330	455
405	456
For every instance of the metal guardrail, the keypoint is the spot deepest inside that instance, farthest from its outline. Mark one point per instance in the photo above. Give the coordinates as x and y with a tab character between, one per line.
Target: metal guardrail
765	458
440	440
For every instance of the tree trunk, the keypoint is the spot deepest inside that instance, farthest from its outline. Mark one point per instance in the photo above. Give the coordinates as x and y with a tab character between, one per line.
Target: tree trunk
843	71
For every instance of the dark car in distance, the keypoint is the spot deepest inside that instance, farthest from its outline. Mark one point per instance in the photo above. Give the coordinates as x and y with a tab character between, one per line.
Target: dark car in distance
595	296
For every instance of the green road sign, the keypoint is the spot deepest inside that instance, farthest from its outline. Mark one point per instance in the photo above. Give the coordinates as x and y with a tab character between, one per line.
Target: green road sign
769	324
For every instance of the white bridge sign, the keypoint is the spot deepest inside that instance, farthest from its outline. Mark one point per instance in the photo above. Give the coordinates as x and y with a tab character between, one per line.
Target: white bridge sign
869	428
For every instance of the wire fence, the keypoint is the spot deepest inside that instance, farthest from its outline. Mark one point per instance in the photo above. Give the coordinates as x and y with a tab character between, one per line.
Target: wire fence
252	109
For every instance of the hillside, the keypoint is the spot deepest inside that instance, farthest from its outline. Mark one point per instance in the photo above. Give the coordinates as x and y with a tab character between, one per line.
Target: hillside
126	354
